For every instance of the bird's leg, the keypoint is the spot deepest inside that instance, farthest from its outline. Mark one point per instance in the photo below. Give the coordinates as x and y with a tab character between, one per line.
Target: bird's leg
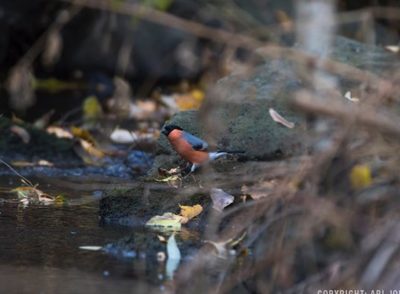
187	170
194	167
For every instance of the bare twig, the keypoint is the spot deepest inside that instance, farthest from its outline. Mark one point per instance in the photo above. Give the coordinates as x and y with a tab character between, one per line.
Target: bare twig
362	115
167	19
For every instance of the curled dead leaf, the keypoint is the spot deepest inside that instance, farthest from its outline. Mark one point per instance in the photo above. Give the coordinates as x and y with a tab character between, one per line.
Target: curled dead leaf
348	96
260	190
393	48
280	119
220	199
59	132
22	133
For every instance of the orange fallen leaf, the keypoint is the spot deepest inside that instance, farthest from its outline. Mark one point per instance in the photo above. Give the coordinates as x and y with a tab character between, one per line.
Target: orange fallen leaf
190	101
189	212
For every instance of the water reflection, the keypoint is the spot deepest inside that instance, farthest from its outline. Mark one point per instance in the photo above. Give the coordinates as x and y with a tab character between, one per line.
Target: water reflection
39	248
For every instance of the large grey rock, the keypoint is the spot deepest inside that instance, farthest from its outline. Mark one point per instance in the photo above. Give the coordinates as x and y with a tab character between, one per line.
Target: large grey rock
247	127
235	115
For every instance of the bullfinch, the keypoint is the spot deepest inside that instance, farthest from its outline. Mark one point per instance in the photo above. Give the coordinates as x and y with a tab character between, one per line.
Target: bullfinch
190	147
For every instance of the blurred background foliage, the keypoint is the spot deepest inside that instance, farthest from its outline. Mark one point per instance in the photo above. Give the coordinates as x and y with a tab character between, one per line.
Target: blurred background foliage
54	54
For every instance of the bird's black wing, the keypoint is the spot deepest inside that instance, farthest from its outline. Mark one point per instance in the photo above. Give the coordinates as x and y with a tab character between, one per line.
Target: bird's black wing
197	143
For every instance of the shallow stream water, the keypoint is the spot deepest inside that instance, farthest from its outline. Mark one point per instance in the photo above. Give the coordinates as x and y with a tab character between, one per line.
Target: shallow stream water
40	247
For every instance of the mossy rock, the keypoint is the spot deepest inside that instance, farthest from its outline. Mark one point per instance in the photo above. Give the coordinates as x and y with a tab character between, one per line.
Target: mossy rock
235	114
136	206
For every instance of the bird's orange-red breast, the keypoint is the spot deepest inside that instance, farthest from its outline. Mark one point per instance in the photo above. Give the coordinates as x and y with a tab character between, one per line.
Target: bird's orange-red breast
185	149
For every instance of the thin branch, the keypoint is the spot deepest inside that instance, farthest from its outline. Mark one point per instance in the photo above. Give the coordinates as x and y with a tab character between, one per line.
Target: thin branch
169	20
359	114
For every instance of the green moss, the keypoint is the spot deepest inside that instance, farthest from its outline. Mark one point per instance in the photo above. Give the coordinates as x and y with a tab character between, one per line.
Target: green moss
136	206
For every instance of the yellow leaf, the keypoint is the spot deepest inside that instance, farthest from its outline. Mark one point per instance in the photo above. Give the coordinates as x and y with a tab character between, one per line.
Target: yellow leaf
360	176
82	134
197	95
60	199
92	108
91	149
165	222
54	85
190	212
191	101
27	192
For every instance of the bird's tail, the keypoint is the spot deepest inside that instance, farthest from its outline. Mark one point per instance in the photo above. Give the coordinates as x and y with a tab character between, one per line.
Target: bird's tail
232	151
217	154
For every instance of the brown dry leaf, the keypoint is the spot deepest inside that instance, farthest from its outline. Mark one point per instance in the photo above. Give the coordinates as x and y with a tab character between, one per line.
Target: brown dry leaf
260	190
89	153
169	172
59	132
91	149
22	133
82	134
142	109
189	212
220	199
16	120
280	119
284	20
22	163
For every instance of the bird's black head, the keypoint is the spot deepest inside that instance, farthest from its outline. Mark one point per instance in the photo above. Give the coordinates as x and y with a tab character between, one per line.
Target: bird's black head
169	128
